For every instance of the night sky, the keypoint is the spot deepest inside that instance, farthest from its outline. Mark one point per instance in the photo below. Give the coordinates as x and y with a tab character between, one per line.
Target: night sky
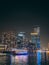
22	16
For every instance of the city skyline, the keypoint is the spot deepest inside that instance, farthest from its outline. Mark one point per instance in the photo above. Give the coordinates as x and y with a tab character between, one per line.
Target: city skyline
22	16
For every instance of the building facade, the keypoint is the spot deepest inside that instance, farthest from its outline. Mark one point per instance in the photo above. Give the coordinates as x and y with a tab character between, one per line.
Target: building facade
35	37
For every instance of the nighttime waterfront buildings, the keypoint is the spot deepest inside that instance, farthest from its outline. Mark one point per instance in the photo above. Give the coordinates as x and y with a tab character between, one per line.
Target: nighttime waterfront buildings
20	39
18	42
35	37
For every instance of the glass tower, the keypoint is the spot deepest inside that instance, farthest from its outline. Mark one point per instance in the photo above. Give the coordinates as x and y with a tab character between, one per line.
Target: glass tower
35	37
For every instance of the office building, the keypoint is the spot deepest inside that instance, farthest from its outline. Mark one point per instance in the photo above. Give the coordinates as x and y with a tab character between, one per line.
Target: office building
35	37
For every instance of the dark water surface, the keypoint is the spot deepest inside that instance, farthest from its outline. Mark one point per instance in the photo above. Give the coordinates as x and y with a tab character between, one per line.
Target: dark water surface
32	59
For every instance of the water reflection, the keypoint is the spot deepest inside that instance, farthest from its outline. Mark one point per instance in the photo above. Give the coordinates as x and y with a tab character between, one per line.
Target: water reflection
31	59
38	58
19	59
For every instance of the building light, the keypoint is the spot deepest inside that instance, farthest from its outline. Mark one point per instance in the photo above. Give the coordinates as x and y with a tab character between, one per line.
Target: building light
34	33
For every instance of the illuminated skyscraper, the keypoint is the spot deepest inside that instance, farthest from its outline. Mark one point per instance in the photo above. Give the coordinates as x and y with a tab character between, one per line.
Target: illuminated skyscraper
21	36
35	37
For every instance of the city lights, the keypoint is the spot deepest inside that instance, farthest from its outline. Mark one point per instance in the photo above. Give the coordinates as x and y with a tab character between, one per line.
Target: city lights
21	48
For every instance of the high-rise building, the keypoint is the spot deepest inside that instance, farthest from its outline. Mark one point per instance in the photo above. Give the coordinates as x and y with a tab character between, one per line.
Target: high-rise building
35	37
21	36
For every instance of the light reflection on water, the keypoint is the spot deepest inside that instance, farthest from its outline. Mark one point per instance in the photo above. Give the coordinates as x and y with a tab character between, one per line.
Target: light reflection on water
38	58
19	59
23	59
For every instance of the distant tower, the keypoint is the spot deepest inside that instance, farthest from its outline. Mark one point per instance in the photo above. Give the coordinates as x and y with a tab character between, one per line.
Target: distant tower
35	37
